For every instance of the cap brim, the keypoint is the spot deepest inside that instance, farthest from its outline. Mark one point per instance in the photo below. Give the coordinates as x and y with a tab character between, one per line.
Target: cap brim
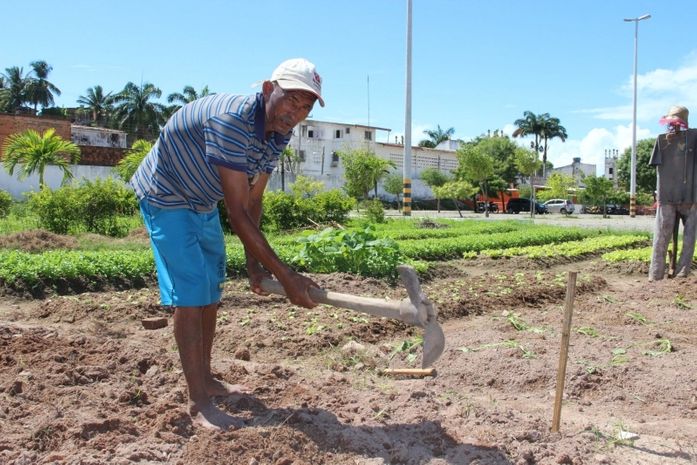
295	85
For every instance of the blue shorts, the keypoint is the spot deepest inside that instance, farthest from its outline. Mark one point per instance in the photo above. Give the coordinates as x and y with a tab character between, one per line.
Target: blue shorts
189	251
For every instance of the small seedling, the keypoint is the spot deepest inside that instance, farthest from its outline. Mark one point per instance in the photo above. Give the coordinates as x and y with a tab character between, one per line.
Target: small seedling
314	327
661	347
619	356
587	331
638	317
680	302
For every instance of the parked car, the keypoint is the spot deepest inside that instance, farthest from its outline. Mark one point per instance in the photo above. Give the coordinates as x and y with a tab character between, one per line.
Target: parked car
610	209
492	207
518	205
617	209
560	206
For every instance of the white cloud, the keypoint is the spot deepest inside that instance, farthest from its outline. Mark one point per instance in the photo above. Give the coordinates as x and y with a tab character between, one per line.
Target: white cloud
591	148
657	90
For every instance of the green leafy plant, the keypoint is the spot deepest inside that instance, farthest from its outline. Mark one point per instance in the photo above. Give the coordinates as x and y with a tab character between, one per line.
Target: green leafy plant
5	203
619	356
680	302
659	347
637	317
359	252
587	331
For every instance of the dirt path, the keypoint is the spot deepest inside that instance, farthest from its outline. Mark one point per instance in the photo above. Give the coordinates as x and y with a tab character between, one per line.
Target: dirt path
81	382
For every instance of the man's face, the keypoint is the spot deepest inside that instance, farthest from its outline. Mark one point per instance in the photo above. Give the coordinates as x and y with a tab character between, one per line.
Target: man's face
286	108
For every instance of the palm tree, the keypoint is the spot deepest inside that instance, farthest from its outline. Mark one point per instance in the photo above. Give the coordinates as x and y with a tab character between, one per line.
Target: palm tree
4	93
136	113
97	103
551	129
531	124
187	96
128	165
41	90
33	151
436	136
16	89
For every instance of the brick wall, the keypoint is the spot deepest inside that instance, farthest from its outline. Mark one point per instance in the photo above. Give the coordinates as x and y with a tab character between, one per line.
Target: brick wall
100	156
11	124
89	155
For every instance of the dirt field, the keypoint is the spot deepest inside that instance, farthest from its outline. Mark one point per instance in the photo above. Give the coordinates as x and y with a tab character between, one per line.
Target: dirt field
82	382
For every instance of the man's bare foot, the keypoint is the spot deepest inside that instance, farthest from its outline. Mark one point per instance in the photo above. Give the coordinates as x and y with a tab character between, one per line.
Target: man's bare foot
209	416
216	387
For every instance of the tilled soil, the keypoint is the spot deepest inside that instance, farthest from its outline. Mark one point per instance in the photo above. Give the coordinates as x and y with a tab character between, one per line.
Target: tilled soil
82	382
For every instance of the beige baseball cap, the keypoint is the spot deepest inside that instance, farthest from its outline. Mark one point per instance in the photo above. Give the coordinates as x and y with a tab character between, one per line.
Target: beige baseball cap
299	74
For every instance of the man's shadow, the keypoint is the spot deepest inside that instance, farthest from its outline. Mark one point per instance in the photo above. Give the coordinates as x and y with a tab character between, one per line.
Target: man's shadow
413	444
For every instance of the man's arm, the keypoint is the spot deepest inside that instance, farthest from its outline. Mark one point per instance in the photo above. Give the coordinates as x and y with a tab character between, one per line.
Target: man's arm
244	211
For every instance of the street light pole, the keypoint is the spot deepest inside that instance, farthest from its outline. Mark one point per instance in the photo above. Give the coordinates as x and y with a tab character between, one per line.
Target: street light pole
406	206
632	176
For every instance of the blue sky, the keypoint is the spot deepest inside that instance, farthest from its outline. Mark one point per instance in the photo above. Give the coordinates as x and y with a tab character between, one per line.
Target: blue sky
477	66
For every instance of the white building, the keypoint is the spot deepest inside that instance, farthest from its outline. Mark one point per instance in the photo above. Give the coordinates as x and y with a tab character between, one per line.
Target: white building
577	170
97	137
611	156
318	142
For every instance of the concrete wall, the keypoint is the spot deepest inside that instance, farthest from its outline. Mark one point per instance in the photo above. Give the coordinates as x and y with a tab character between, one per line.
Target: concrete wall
53	177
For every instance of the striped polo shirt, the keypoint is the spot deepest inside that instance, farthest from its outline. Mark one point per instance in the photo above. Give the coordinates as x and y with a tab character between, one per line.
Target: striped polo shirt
222	129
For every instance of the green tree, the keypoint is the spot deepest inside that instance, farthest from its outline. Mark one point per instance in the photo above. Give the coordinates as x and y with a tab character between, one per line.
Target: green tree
475	164
305	187
188	95
40	89
97	103
456	190
558	186
645	174
503	150
16	85
362	170
394	184
135	111
289	161
436	136
128	165
598	190
531	125
551	129
33	152
528	163
433	177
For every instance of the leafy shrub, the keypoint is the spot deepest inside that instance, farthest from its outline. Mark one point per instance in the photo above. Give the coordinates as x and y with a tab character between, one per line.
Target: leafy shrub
96	206
359	252
333	205
5	203
374	211
104	201
284	211
59	211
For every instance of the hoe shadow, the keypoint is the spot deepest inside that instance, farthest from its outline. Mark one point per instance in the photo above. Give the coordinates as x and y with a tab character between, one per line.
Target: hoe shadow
408	444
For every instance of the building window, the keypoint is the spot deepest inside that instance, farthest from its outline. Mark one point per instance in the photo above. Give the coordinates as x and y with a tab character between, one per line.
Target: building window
303	130
335	159
348	130
301	155
311	133
368	135
611	170
337	134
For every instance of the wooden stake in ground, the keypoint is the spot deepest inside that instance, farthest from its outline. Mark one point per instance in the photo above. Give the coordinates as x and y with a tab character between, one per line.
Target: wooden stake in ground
564	353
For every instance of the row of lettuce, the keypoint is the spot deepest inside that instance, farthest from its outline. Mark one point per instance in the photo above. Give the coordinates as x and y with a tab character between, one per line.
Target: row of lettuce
366	250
